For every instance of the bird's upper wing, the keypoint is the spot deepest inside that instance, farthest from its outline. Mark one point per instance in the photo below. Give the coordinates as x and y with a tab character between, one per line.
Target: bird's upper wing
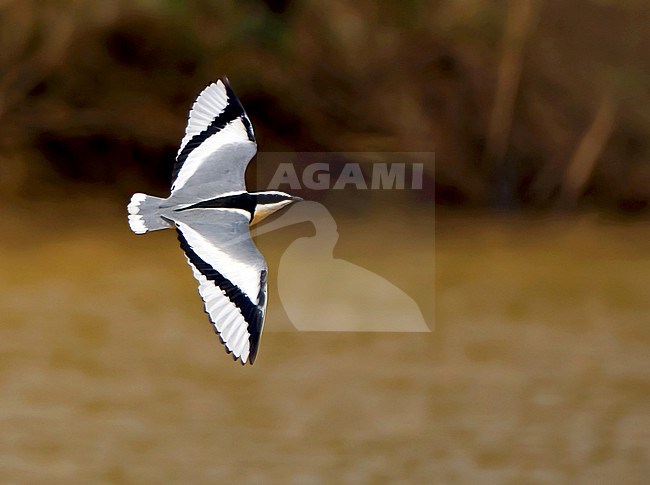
231	274
217	146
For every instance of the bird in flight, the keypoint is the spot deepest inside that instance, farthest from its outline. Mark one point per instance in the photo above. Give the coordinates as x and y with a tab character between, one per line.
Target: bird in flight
211	211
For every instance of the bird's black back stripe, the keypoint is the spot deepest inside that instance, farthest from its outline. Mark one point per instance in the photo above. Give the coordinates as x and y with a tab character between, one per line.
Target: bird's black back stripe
231	112
251	313
271	198
243	201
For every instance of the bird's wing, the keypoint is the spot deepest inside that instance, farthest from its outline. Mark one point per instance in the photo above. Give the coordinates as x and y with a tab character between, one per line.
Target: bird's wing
231	274
217	146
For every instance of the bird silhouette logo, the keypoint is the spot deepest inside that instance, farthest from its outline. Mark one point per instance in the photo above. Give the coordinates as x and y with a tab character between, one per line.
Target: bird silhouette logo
346	292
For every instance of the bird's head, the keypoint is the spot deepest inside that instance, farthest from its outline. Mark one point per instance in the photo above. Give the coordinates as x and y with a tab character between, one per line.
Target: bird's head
266	203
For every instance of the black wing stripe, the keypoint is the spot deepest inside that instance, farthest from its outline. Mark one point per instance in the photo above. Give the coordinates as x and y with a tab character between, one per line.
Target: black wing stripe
231	112
247	123
261	298
253	315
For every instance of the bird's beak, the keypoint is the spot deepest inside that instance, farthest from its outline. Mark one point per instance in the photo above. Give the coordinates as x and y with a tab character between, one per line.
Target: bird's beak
295	198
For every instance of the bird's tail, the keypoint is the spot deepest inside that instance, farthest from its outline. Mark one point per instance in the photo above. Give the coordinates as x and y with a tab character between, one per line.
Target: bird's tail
143	214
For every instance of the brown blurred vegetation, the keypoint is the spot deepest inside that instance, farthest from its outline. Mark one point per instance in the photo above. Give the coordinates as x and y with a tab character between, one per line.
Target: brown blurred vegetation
526	103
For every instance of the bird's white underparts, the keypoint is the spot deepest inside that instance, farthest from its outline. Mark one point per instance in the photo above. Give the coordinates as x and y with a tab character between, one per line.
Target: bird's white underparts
211	211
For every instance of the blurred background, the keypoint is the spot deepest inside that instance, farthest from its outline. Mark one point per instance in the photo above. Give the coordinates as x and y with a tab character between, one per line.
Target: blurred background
538	112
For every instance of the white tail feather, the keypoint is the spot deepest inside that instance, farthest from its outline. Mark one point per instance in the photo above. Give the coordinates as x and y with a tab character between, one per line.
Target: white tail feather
143	214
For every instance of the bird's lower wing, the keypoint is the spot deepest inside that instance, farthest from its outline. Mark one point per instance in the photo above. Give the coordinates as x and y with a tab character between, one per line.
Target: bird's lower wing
231	273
